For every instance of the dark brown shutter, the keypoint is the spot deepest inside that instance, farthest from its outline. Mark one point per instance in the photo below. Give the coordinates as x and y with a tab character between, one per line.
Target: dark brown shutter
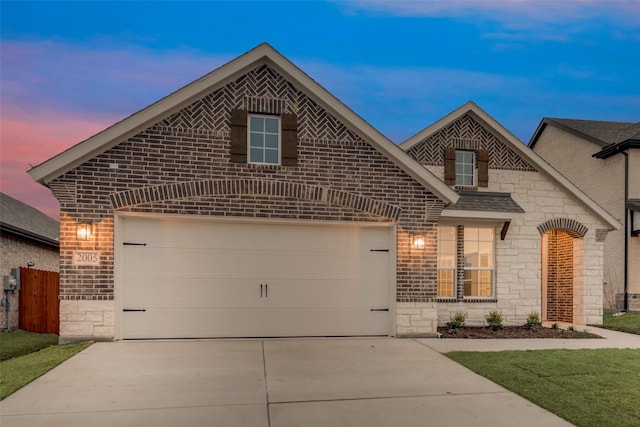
289	139
239	136
450	166
483	168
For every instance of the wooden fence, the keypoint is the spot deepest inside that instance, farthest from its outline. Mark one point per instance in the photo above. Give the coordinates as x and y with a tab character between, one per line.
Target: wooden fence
39	308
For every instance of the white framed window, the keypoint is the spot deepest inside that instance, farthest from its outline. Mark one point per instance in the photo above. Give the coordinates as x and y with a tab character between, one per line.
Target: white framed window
447	256
479	262
264	139
465	168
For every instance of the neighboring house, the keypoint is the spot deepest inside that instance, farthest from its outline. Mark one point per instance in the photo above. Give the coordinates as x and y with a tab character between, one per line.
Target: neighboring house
603	159
28	238
252	202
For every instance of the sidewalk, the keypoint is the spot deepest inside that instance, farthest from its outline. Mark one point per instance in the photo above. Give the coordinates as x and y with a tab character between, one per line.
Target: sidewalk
610	339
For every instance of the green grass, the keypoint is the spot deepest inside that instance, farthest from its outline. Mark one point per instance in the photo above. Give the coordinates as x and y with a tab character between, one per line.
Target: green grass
27	356
585	387
629	322
18	343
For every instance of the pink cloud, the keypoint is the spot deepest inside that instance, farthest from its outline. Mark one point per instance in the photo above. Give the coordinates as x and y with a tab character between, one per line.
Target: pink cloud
30	140
55	95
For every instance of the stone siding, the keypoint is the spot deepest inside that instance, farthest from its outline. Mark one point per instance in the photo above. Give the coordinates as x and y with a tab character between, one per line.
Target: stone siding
518	273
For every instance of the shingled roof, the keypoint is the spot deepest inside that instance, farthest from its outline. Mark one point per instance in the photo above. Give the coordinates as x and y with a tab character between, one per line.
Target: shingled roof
486	201
601	133
20	219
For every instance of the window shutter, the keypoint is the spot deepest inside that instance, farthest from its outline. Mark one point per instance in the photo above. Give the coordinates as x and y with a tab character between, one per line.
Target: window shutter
289	124
239	136
450	166
483	168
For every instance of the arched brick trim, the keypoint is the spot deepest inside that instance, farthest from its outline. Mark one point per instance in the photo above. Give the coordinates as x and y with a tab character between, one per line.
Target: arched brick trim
571	226
144	195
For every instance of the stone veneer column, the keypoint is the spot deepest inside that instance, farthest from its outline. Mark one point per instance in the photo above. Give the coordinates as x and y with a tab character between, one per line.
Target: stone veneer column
417	319
82	320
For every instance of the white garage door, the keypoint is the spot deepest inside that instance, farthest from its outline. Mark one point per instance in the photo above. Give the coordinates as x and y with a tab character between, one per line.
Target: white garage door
189	279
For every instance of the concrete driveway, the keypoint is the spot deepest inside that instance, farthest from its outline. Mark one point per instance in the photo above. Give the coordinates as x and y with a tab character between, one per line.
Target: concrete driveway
270	383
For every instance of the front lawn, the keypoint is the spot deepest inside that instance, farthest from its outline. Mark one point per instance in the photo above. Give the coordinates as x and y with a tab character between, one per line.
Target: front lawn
585	387
18	343
27	356
628	322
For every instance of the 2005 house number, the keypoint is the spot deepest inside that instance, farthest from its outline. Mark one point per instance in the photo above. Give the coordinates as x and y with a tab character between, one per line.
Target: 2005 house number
86	257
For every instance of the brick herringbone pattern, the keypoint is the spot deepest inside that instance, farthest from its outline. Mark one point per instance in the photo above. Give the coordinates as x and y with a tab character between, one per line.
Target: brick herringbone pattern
468	134
262	90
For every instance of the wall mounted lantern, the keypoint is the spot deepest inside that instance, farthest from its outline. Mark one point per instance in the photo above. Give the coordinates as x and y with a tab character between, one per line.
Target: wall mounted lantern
418	241
84	231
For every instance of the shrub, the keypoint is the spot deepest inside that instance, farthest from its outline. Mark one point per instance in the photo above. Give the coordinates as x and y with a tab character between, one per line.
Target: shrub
494	320
456	322
533	321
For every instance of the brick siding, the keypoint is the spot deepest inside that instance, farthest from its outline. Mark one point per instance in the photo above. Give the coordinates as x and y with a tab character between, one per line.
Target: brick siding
182	166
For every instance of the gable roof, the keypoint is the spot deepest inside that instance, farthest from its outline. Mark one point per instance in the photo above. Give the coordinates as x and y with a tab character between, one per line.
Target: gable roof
601	133
521	149
47	171
23	220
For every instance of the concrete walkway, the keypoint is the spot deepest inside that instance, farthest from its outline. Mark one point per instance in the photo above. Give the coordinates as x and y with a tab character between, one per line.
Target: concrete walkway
268	383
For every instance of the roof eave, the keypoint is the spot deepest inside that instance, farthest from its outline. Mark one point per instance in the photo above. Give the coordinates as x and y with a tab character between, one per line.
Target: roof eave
16	231
47	171
613	149
76	155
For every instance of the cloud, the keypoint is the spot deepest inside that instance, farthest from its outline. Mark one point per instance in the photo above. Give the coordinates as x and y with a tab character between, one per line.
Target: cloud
56	94
28	140
541	18
98	78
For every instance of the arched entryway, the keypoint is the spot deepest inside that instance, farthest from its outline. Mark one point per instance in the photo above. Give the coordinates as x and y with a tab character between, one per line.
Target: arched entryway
561	269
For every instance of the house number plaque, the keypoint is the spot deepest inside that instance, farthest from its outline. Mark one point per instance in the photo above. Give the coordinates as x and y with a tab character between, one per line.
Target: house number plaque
86	257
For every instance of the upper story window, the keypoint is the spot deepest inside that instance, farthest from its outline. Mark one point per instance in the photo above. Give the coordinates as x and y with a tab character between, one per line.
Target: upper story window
264	139
465	168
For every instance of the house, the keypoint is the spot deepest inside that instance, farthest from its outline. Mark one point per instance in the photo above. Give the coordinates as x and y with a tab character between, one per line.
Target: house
28	238
603	159
253	203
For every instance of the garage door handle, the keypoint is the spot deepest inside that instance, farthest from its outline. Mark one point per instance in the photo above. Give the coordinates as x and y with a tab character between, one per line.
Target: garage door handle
379	309
134	309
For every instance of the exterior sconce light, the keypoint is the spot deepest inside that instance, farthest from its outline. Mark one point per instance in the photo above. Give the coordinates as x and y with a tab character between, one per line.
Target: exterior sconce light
418	241
84	231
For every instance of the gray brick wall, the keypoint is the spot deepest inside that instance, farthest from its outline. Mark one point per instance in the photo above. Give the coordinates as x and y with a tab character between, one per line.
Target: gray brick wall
183	164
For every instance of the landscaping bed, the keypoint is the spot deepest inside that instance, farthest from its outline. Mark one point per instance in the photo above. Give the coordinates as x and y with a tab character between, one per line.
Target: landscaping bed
514	332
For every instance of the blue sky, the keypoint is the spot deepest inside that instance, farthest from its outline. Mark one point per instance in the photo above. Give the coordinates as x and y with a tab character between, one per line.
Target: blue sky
70	69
